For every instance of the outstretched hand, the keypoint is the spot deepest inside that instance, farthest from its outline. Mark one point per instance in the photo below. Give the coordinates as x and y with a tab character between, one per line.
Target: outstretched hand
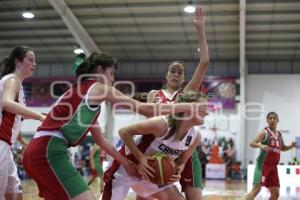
199	16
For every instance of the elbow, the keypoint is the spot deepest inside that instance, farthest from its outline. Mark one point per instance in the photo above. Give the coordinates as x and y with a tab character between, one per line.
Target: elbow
122	133
5	105
204	63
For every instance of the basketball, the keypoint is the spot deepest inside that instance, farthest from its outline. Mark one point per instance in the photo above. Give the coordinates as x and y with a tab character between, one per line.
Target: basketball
164	167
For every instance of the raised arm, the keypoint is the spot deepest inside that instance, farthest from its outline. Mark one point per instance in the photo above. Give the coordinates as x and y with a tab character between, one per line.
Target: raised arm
201	69
10	91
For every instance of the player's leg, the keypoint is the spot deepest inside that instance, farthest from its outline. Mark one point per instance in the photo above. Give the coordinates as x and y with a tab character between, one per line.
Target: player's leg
253	193
46	161
169	193
273	183
257	180
274	193
191	178
3	168
13	190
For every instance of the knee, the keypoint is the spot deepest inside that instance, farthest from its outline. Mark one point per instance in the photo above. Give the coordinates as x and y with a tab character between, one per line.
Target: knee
256	190
275	194
193	194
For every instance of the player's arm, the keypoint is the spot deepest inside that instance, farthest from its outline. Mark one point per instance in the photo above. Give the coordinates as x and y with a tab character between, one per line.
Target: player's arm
155	126
22	140
201	69
289	147
102	92
92	153
257	142
10	91
185	156
110	149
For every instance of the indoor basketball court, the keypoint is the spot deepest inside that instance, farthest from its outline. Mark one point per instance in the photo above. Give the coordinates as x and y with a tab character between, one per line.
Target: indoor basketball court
244	56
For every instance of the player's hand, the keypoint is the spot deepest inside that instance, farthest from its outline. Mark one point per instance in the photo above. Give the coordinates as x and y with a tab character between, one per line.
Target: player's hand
176	177
294	145
265	148
144	168
201	109
199	16
42	117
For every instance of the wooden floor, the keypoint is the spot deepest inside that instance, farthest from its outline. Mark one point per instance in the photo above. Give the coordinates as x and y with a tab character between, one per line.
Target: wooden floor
214	190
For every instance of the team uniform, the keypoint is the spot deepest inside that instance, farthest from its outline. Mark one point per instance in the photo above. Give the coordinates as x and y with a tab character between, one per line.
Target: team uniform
118	182
266	172
192	173
46	159
98	171
10	125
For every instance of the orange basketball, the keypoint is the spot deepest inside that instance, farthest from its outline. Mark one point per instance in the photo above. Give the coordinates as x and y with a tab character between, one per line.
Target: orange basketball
164	167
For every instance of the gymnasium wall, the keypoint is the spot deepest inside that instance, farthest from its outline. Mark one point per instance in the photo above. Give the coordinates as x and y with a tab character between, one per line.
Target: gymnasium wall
279	93
157	69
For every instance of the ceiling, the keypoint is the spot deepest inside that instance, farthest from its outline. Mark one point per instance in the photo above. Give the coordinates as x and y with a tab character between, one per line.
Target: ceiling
154	30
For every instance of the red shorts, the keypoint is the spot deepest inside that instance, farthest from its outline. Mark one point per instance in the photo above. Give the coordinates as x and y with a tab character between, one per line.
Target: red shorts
270	176
46	161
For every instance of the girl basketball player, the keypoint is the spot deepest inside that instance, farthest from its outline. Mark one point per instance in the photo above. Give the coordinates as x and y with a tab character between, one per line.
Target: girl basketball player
191	180
96	166
270	142
70	119
172	135
17	67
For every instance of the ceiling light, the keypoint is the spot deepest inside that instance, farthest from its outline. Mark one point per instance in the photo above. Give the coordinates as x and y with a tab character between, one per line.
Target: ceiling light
189	9
28	15
78	51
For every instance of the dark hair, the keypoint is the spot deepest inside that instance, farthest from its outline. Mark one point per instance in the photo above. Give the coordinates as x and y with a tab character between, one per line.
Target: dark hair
93	61
272	113
9	64
174	62
188	97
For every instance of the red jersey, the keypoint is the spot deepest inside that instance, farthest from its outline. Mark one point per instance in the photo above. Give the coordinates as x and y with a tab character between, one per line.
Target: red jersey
275	144
164	97
72	114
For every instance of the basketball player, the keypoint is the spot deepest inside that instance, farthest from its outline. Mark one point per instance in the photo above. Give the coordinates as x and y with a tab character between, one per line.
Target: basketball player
96	166
191	178
172	135
17	67
270	142
70	119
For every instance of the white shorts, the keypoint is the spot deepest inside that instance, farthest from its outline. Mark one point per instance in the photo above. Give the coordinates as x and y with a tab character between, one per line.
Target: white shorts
122	183
9	180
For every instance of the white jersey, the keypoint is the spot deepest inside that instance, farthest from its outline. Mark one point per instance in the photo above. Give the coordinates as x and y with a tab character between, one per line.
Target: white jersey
118	182
10	123
170	146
